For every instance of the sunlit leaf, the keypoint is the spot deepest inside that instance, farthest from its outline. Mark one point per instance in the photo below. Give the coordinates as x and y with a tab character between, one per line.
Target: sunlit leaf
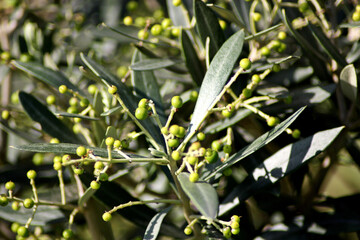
348	82
152	230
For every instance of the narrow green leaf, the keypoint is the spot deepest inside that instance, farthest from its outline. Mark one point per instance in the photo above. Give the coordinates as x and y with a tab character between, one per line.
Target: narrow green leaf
73	115
354	53
279	165
329	48
152	230
348	82
242	9
202	195
68	148
89	192
226	14
146	86
192	61
350	25
178	15
44	215
208	25
257	144
129	100
154	63
217	75
20	133
147	52
47	75
111	111
48	121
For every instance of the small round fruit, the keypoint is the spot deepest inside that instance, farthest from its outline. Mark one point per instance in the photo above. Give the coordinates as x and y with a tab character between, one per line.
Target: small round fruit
174	129
124	143
216	145
227	148
142	34
181	132
15	206
296	133
166	23
156	30
67	234
303	7
140	21
188	231
121	71
78	171
176	3
193	177
50	100
265	51
282	35
144	103
28	203
235	231
192	160
257	16
14	227
211	156
10	185
356	16
117	143
194	146
158	14
57	166
226	113
109	141
234	225
4	200
141	113
164	130
92	89
63	89
31	174
235	218
54	140
72	109
127	20
176	102
112	89
94	185
272	121
193	96
65	158
276	68
176	155
104	177
227	232
222	24
5	114
200	136
245	63
5	56
255	78
99	165
175	32
84	102
132	5
81	151
106	217
275	44
57	158
22	231
173	142
73	101
246	92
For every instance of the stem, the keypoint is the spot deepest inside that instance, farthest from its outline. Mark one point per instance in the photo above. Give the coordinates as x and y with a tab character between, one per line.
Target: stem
142	202
62	187
120	160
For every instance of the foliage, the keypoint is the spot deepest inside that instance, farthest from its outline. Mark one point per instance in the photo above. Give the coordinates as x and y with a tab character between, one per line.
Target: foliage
179	119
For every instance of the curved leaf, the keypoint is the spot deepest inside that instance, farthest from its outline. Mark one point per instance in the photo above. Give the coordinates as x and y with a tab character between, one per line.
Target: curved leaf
48	121
47	75
279	165
226	14
152	230
217	75
146	86
73	115
208	25
257	144
348	82
153	63
202	194
178	15
192	60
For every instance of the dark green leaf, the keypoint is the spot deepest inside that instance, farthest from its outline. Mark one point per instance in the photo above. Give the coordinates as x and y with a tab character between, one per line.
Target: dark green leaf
192	61
226	14
208	25
217	75
48	121
348	82
272	90
152	230
44	215
279	165
89	192
291	76
202	195
47	75
257	144
154	63
329	48
73	115
24	135
242	9
146	86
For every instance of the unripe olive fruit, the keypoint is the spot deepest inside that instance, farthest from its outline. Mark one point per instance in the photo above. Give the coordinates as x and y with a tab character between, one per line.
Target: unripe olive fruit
54	140
28	203
92	89
112	89
176	102
81	151
142	34
257	16
78	171
234	225
296	133
173	142
141	113
245	64
63	89
50	100
67	234
106	217
104	177
14	227
22	231
176	3
246	92
227	148
15	206
5	114
127	20
272	121
255	78
216	145
99	165
132	5
227	232
175	32
4	200
188	230
211	156
73	101
166	23
193	177
192	160
84	102
282	35
265	51
117	143
174	129
143	103
10	185
31	174
235	218
109	141
235	231
200	136
176	155
156	30
181	132
94	185
57	166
